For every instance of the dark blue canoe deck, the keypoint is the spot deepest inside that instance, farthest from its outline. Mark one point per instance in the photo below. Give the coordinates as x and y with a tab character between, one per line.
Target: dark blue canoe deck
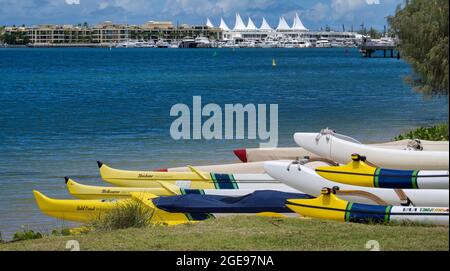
257	202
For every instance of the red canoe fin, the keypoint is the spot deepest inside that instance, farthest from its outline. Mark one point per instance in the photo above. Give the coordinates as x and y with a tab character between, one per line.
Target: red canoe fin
241	154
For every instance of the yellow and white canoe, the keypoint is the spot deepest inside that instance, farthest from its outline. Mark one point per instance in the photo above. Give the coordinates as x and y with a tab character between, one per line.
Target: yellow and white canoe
329	206
359	173
188	180
82	191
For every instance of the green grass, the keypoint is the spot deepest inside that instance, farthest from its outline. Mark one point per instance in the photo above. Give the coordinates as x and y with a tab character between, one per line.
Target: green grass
252	233
132	214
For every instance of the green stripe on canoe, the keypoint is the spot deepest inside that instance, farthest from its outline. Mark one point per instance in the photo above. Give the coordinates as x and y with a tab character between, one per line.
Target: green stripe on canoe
387	216
213	178
233	181
348	210
414	179
183	191
376	177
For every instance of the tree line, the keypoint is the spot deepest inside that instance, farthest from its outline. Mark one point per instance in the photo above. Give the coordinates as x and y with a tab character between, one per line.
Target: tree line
422	27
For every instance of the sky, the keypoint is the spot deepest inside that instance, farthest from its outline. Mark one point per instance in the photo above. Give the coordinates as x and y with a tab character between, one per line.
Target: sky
315	14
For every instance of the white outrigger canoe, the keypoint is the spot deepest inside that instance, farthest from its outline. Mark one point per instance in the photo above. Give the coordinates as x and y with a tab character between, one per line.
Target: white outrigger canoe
308	181
340	148
237	168
250	155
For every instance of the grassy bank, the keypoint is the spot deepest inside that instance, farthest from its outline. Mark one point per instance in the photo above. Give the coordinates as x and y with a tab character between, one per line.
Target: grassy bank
252	233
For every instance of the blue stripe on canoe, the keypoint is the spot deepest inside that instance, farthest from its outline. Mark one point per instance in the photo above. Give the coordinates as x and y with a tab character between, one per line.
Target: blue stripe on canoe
192	191
396	179
224	181
364	213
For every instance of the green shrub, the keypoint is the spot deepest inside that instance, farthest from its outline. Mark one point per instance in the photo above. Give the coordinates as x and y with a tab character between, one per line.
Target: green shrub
435	133
26	234
130	214
62	232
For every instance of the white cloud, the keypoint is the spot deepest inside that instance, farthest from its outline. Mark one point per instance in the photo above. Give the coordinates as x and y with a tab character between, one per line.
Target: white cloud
373	2
73	2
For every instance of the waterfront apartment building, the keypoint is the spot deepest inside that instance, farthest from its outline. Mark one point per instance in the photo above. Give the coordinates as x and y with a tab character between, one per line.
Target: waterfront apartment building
55	34
109	33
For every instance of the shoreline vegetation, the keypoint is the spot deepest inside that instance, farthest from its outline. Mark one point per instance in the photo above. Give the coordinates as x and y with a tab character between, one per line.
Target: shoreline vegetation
433	133
423	28
250	233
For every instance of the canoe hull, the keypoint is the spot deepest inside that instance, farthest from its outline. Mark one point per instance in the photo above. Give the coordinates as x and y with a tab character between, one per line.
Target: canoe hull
308	181
340	150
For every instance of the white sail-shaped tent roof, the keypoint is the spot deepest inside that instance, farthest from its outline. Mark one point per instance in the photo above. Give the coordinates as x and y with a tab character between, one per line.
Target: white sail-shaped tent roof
298	25
265	25
251	25
239	23
208	23
283	25
223	25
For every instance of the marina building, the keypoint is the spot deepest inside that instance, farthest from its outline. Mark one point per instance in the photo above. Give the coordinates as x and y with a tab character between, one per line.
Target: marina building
284	32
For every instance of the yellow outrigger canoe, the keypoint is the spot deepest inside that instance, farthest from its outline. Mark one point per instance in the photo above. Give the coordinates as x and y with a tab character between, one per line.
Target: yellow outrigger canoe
189	180
329	206
359	172
85	211
82	191
149	179
173	210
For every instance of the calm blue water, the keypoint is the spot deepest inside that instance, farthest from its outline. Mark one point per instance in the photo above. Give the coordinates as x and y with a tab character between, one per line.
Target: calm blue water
63	109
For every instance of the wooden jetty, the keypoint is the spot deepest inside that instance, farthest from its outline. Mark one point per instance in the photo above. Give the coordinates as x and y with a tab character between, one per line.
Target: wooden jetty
368	49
